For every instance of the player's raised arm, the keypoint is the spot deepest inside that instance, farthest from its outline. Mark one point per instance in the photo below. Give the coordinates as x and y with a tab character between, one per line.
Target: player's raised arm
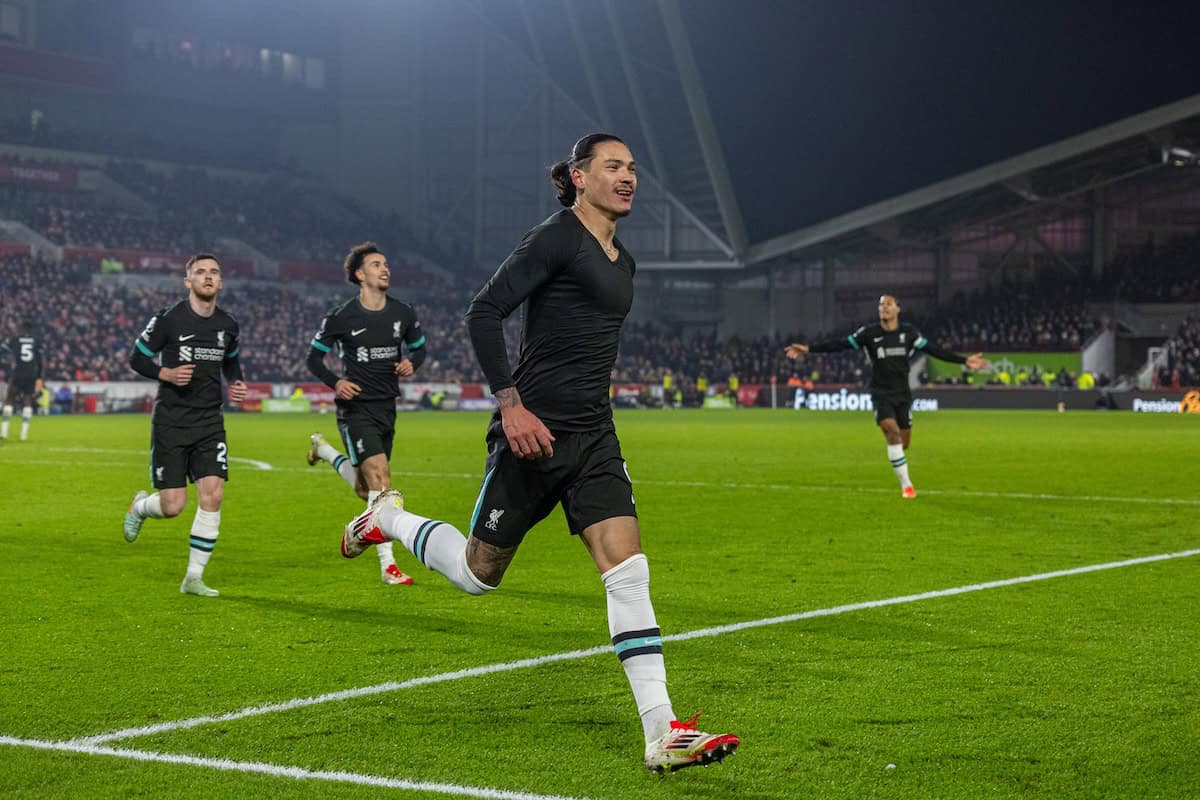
977	361
974	361
853	341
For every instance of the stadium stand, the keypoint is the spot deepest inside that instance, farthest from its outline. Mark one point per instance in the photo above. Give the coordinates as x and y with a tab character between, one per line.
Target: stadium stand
1182	368
1165	275
307	232
1046	315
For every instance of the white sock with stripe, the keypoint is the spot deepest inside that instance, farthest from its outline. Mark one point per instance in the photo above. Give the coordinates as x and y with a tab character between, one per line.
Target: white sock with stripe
203	539
327	452
438	545
150	507
342	466
899	464
384	551
638	641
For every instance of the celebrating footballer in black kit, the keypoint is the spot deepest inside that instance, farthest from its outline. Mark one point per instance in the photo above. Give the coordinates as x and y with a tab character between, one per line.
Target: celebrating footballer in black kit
196	344
368	331
552	441
24	351
890	345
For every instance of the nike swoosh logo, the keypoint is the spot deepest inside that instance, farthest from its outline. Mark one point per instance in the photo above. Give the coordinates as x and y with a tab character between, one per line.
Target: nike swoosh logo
357	332
877	339
185	338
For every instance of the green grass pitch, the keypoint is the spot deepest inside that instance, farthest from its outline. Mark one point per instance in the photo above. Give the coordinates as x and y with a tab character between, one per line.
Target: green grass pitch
1078	686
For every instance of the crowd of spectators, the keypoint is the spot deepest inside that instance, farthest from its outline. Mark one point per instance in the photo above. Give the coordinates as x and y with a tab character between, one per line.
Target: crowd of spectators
267	214
1181	367
87	326
648	353
190	210
1048	315
1167	274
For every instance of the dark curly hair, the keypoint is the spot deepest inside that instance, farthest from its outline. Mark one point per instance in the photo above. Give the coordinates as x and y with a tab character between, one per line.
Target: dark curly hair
354	259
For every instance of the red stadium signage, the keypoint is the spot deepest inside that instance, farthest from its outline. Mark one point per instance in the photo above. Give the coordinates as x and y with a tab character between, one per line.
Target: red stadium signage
255	394
747	394
316	393
35	175
43	65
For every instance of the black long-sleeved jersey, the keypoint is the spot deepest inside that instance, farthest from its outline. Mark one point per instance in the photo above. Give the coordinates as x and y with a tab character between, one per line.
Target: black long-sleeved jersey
889	352
368	343
26	353
181	336
575	301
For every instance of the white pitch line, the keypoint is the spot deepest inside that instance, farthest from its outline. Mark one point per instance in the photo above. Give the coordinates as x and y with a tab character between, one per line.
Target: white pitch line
261	465
391	686
281	771
345	694
1079	498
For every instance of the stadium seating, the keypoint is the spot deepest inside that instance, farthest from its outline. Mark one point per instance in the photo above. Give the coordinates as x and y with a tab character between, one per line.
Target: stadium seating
90	327
1182	368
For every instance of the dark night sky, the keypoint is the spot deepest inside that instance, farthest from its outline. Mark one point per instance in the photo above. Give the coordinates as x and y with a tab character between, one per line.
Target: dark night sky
824	107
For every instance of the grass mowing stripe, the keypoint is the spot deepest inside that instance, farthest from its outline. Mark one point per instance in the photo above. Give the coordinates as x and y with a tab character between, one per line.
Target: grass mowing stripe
1081	498
280	771
391	686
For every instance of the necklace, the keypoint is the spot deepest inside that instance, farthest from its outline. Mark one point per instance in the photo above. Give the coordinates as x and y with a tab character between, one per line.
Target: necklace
610	250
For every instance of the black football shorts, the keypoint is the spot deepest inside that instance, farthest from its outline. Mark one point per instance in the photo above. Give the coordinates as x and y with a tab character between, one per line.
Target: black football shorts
179	455
586	474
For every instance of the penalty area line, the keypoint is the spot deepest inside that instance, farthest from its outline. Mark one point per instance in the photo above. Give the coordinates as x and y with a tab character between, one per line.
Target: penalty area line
392	686
281	771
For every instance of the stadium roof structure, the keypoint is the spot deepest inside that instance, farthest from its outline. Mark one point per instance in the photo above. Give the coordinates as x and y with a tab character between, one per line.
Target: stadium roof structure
1017	193
543	73
659	103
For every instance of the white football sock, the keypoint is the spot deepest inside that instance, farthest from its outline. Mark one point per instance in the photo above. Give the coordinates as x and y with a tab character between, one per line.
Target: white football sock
205	528
342	466
26	415
149	507
4	423
899	464
327	452
438	545
638	642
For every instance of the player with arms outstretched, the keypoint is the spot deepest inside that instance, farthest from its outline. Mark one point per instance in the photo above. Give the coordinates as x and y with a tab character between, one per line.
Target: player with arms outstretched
890	345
